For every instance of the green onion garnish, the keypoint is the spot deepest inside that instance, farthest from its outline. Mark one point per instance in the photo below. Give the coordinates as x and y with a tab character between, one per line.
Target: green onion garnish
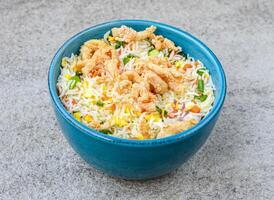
74	80
201	71
162	112
128	58
153	52
119	44
201	86
100	103
78	73
202	98
106	131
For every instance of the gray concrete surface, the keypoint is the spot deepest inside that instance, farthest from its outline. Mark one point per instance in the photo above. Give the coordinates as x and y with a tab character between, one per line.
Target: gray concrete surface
237	162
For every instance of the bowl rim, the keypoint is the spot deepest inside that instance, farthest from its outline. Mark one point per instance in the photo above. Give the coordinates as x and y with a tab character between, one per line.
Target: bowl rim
138	143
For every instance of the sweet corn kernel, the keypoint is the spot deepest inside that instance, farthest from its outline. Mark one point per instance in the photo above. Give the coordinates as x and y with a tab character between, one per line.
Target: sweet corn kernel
120	121
175	106
127	109
88	118
111	39
148	117
178	64
206	75
64	62
104	87
139	136
67	76
77	115
137	113
85	84
153	116
110	99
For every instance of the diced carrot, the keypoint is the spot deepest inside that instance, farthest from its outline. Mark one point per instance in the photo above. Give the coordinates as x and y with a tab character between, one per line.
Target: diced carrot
187	66
146	135
196	63
195	109
118	64
109	53
105	97
113	107
180	78
73	102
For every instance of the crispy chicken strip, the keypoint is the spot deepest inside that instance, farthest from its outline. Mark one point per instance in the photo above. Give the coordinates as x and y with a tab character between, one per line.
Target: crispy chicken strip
168	77
177	127
147	33
88	48
112	68
160	61
124	86
127	34
161	43
163	72
158	85
147	107
131	76
124	33
98	59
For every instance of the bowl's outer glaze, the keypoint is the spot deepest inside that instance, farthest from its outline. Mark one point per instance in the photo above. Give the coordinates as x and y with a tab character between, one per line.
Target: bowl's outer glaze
134	159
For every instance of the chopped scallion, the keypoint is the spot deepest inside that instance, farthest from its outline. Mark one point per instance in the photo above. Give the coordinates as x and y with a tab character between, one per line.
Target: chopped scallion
202	98
74	80
201	86
119	44
100	103
153	52
106	131
128	58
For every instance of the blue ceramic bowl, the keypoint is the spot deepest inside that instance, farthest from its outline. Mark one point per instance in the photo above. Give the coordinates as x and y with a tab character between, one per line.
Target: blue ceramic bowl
131	159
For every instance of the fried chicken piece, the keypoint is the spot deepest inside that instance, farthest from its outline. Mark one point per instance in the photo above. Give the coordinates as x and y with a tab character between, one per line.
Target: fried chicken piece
141	93
124	86
127	34
161	43
140	66
168	77
77	65
124	33
88	48
147	33
147	107
132	76
160	61
98	59
158	85
177	127
112	68
163	72
144	129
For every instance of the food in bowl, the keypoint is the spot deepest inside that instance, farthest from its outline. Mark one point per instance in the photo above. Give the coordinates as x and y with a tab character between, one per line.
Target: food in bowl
135	85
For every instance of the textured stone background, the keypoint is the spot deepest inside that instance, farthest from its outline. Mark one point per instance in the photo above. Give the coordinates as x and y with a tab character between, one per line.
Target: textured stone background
237	162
